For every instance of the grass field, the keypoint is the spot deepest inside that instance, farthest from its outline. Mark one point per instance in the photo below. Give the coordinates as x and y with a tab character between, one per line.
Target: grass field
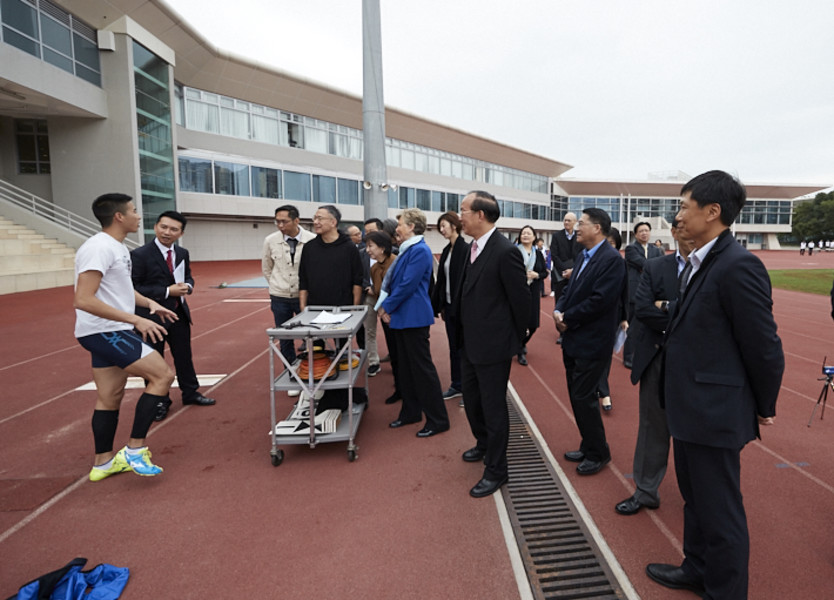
814	281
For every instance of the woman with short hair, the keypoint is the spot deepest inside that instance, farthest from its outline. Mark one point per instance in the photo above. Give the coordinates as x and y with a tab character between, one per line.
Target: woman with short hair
404	304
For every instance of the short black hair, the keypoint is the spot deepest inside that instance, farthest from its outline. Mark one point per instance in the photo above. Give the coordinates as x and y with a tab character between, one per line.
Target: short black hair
334	212
599	217
381	239
640	224
615	236
717	187
292	212
106	206
486	202
176	216
375	221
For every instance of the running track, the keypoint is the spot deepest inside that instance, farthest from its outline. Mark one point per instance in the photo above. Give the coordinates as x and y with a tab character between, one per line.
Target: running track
222	522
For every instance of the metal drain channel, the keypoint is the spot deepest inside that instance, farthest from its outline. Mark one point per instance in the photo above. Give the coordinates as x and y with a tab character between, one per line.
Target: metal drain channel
560	556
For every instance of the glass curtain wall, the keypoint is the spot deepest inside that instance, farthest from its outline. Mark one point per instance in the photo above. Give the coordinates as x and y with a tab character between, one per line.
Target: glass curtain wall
153	122
52	34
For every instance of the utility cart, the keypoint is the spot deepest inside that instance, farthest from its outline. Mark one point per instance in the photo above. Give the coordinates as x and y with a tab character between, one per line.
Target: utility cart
335	325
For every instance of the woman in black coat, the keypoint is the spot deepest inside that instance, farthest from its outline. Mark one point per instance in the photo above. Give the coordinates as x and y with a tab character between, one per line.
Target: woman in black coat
449	276
536	271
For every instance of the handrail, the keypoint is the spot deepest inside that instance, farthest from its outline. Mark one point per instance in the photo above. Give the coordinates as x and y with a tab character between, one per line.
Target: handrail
50	211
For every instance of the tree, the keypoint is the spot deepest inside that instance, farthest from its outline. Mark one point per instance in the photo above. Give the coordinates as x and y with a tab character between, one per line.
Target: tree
814	219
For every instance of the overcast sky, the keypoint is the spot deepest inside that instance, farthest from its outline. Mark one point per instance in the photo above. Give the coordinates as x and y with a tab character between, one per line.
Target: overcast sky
617	89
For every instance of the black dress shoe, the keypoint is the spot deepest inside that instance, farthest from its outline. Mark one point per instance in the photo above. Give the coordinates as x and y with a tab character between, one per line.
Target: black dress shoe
393	398
631	506
162	408
474	455
430	431
400	423
575	456
522	360
674	577
199	400
487	487
589	467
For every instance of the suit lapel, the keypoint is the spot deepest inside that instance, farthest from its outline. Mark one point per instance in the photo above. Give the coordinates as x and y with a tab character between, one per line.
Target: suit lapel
697	280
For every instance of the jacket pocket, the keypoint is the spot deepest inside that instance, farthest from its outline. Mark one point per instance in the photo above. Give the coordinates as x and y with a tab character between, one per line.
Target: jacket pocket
719	379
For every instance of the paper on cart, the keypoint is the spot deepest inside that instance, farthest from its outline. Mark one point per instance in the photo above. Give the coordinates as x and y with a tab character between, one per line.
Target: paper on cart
326	422
327	318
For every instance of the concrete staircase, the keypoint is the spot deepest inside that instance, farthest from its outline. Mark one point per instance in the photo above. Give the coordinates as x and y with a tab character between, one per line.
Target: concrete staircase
31	261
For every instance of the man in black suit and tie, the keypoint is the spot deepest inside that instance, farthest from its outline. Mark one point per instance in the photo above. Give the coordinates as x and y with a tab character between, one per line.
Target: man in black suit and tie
587	316
493	309
636	255
654	301
162	272
563	251
723	370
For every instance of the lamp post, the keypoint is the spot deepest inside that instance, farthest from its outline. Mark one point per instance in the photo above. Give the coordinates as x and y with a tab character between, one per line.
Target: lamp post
373	114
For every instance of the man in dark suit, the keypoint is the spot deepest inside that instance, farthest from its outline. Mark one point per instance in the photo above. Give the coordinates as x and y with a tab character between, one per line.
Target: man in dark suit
723	370
587	316
162	271
563	251
654	300
636	255
494	306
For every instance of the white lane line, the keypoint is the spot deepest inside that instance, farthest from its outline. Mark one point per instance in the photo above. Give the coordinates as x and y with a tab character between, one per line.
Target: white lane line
67	491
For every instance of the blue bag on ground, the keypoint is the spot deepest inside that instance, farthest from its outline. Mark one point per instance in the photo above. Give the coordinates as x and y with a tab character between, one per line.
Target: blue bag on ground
104	582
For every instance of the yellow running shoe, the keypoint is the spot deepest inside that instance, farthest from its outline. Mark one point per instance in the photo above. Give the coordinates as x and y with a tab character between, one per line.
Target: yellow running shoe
119	465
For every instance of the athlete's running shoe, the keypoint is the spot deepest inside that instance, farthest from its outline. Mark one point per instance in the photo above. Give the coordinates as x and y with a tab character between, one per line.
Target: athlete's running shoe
141	464
118	465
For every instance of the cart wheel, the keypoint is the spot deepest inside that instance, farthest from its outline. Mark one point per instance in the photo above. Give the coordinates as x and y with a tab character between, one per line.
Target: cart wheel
277	458
351	455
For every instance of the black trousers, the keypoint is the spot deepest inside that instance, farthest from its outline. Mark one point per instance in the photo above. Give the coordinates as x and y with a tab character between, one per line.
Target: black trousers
716	544
418	380
485	401
583	376
391	342
179	340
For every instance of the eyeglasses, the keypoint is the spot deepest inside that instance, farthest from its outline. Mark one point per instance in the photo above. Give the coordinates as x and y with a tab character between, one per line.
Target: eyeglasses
283	221
321	218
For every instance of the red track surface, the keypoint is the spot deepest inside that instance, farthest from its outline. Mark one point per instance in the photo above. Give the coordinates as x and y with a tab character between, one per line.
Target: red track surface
222	522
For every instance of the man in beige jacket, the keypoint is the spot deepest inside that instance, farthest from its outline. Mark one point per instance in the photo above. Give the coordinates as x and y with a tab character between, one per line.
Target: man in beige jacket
281	257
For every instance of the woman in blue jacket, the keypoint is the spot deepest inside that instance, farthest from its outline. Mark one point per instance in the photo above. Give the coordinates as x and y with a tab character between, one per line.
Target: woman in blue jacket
405	305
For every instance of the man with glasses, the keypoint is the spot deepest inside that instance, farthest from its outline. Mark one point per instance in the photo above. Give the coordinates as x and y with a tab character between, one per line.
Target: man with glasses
330	273
587	316
279	263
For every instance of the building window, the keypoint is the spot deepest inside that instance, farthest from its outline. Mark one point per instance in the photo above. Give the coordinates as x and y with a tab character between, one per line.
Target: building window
324	189
195	175
266	183
231	178
297	186
348	191
53	35
32	146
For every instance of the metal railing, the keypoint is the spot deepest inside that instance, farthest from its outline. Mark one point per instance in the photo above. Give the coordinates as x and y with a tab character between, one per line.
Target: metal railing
56	214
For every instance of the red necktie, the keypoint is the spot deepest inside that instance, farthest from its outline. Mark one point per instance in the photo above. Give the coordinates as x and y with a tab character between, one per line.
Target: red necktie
171	261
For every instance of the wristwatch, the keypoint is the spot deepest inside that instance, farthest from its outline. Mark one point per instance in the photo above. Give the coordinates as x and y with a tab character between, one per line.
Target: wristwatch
664	306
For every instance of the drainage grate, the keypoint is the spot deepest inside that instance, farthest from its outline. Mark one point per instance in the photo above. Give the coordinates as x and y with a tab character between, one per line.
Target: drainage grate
559	553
